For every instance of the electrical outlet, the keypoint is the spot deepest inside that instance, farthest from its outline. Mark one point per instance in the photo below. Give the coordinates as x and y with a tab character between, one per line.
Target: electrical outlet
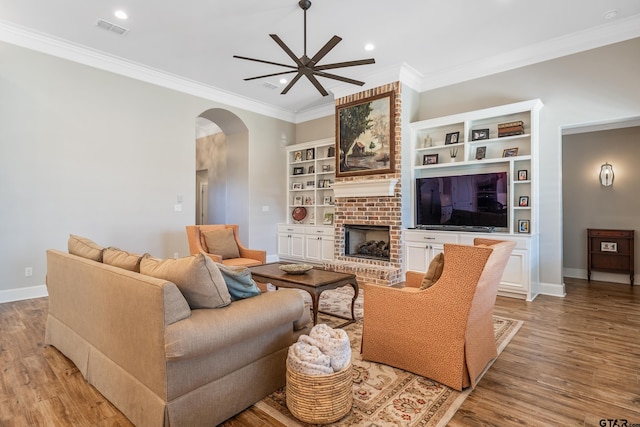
28	272
176	255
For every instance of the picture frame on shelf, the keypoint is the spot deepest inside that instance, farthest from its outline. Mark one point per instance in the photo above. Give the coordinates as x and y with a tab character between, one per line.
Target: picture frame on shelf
297	200
452	138
298	170
523	225
308	201
430	159
327	200
608	247
310	154
365	136
328	219
510	152
523	175
312	169
311	184
331	152
523	201
479	134
297	156
481	152
296	186
326	168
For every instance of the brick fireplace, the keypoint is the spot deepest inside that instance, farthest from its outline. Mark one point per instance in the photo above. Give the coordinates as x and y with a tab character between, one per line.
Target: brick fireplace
371	200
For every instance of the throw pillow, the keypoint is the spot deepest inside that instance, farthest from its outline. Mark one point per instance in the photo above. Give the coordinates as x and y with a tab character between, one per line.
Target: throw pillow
122	259
85	248
222	242
239	281
197	277
433	273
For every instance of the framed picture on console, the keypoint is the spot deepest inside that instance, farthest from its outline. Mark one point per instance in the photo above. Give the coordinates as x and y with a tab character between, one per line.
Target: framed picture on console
522	175
365	136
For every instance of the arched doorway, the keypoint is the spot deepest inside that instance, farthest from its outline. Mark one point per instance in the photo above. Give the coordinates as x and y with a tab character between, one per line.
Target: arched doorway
222	191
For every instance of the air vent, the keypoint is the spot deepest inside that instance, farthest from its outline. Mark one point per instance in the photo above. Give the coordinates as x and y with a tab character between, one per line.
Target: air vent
270	85
109	26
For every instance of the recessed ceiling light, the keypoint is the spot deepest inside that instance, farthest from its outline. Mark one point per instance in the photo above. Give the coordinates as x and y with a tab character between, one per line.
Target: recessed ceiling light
283	81
120	14
611	14
369	46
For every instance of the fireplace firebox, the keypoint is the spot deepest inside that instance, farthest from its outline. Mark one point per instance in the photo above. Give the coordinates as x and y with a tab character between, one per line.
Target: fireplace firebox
367	241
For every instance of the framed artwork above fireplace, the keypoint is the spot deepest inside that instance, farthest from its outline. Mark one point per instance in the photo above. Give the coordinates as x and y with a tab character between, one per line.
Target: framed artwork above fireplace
365	138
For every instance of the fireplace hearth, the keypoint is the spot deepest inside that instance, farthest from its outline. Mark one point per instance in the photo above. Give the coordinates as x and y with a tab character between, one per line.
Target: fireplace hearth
367	241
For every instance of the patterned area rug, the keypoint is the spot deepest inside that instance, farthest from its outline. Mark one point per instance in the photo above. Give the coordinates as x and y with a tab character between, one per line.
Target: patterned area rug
383	395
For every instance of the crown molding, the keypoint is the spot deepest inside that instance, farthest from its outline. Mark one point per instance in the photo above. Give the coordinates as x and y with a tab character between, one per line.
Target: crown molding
403	73
47	44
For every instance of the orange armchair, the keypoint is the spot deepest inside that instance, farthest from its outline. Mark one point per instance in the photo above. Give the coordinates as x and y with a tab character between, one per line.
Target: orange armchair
444	332
247	257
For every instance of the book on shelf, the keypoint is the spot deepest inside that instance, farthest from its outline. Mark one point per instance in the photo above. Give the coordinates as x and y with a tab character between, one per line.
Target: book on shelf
511	124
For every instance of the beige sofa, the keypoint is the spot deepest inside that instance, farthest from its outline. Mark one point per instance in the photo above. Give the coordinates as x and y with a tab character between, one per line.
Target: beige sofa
160	362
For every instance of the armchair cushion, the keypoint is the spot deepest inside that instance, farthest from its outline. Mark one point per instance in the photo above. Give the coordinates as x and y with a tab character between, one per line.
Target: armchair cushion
433	273
221	242
239	282
85	248
197	277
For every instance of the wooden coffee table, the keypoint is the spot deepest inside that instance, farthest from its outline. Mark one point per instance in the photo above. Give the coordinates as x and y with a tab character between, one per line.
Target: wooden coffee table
314	281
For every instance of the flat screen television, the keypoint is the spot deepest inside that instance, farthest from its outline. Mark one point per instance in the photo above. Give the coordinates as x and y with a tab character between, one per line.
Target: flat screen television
475	201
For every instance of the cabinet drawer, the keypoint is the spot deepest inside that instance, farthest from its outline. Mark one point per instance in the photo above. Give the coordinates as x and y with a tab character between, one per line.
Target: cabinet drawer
283	228
611	233
430	237
319	231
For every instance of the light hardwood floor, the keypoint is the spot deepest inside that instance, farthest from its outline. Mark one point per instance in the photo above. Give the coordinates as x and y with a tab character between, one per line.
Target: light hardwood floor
575	361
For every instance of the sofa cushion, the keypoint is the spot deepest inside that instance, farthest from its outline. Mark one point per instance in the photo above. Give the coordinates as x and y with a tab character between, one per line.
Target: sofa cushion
433	273
122	259
221	242
85	248
197	277
239	281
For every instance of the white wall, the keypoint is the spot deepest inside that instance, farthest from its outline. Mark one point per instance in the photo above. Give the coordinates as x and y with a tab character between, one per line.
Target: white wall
93	153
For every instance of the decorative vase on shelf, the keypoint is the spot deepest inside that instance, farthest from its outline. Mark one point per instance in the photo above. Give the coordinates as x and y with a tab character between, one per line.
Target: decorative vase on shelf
453	153
427	142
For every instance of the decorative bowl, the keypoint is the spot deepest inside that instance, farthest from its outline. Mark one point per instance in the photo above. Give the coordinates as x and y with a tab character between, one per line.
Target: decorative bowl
296	268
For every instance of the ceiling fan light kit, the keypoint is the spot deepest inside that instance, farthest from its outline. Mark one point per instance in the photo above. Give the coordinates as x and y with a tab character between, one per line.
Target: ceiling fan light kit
308	67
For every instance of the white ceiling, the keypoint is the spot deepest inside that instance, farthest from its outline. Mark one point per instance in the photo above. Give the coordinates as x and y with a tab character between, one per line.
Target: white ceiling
193	42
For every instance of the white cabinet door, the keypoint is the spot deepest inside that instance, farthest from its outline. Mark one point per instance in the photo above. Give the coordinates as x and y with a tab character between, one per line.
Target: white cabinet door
417	256
326	250
297	245
312	244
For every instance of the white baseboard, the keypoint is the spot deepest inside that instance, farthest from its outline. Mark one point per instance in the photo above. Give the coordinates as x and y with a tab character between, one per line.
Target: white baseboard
552	289
20	294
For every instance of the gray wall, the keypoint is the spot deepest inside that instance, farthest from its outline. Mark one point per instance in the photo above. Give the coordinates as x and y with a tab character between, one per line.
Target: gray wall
93	153
588	205
592	86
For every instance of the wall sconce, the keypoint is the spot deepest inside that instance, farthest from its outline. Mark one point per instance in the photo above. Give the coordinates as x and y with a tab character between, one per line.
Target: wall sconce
606	175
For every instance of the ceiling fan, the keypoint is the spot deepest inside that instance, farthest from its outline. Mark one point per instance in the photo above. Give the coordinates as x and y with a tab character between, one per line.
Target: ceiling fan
308	67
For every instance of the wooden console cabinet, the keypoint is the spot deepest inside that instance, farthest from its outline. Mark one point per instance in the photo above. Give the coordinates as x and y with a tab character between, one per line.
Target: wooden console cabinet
610	251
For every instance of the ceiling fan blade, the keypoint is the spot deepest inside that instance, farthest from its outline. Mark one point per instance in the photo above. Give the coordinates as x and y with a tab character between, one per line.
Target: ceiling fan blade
325	49
269	75
340	78
291	83
266	62
344	64
316	83
286	49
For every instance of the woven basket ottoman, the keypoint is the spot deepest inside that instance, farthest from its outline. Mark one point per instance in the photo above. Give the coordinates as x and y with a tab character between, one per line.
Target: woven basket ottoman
319	399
